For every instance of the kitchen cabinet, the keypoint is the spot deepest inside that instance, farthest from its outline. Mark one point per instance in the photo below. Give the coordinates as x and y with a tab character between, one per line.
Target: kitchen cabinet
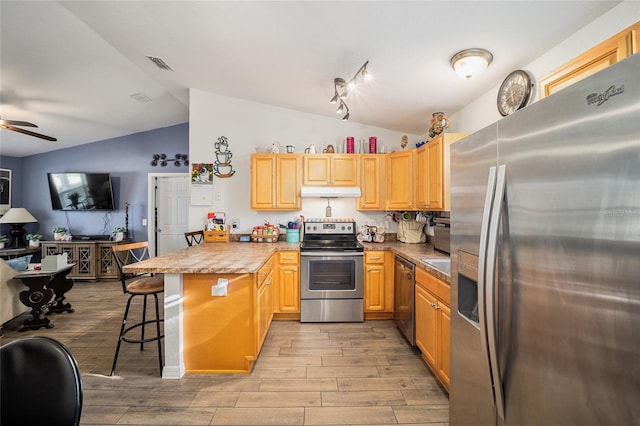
275	181
265	302
378	285
372	182
610	51
400	180
287	285
330	170
432	191
93	259
433	321
224	333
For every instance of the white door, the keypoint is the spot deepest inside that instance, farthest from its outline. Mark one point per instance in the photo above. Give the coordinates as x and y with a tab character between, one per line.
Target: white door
171	212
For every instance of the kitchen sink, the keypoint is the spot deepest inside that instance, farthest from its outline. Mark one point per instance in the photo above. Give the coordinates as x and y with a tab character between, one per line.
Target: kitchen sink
443	265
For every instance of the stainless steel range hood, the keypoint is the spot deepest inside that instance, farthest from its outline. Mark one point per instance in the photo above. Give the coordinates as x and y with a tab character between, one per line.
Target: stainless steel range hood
330	192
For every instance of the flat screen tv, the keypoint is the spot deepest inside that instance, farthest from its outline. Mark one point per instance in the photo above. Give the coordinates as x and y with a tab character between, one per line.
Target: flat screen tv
81	191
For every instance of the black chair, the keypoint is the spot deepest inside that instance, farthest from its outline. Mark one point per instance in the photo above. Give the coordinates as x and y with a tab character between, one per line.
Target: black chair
194	237
40	383
137	284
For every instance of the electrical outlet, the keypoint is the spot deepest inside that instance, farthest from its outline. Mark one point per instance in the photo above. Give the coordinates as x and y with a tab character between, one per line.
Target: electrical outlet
235	224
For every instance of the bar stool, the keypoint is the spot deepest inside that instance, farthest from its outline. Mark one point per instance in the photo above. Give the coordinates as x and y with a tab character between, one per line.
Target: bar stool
194	237
140	284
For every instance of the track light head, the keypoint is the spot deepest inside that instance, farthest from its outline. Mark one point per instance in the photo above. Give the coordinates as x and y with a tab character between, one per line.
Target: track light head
341	89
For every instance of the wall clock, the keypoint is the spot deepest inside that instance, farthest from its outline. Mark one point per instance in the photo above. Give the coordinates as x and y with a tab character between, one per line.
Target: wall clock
515	92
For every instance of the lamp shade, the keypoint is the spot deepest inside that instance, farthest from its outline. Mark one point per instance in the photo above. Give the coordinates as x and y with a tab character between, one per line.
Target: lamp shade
17	215
471	62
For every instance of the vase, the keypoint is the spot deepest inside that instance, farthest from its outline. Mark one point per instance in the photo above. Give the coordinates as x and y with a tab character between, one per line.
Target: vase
58	236
34	243
1	245
119	236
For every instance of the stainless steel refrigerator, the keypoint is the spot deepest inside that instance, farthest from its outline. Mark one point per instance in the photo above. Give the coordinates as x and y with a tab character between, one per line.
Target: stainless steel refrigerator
545	251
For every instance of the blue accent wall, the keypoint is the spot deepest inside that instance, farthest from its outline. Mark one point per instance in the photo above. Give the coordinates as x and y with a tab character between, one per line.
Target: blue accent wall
126	158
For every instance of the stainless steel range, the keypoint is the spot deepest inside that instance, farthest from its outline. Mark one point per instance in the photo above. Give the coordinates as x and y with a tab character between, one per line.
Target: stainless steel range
331	280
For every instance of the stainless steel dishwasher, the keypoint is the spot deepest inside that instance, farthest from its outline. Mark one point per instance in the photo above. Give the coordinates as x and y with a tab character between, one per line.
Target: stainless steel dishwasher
403	312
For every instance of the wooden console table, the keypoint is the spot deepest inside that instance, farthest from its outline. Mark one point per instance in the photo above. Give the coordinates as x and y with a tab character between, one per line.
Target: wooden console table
45	294
93	259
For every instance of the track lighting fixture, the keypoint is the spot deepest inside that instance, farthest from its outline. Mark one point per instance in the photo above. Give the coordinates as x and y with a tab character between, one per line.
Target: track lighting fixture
162	160
341	89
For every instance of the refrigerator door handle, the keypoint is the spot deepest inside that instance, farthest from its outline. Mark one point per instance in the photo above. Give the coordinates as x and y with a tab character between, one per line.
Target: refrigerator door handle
482	264
490	288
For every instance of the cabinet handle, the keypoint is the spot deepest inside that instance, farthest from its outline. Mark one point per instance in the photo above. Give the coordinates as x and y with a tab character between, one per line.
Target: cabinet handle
375	258
433	305
268	282
368	270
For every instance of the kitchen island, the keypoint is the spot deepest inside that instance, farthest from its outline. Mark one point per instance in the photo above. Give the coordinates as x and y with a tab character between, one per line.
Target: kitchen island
207	333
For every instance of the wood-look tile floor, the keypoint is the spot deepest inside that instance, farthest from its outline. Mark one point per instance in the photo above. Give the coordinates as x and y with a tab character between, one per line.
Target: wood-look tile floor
307	374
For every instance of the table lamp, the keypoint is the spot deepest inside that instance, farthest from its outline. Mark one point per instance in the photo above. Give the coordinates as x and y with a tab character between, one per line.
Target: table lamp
17	217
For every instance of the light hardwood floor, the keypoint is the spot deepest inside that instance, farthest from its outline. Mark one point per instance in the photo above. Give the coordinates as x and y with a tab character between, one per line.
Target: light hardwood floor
307	374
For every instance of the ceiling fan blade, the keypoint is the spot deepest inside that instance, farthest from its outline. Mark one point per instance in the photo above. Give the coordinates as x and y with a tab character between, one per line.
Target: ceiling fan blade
27	132
16	123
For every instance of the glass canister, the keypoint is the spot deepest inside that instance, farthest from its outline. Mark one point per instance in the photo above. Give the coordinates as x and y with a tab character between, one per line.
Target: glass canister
373	145
350	145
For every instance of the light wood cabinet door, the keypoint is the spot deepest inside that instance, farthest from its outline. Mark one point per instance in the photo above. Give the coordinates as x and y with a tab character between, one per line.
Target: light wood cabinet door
288	178
599	57
433	324
378	284
421	178
432	173
435	160
400	185
330	170
426	323
429	191
275	182
374	290
265	309
263	174
371	182
287	283
344	170
444	345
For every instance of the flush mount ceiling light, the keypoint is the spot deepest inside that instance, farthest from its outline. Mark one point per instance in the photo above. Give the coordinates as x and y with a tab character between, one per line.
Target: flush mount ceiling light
471	62
341	89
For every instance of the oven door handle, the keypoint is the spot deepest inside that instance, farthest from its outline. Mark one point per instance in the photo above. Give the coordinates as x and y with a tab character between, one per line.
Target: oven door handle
331	253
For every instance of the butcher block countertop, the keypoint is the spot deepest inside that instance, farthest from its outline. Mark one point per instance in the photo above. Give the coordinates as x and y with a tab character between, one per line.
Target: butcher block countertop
247	258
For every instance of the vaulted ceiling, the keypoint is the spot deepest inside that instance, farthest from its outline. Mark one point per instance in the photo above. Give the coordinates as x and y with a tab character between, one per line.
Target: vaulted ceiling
76	68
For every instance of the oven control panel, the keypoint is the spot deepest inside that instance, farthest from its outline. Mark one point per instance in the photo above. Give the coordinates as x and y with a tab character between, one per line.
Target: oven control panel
329	228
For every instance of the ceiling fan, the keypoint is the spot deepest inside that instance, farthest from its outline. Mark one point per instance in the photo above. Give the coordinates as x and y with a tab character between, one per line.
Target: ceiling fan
10	125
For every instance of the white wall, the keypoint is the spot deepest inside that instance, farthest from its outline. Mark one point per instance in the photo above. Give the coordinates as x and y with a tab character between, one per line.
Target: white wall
484	112
250	124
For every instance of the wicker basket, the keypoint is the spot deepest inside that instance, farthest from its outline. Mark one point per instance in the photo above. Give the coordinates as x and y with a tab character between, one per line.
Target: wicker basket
265	234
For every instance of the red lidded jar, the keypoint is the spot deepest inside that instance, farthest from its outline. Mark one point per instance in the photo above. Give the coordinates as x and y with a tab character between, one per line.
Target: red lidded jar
372	145
350	145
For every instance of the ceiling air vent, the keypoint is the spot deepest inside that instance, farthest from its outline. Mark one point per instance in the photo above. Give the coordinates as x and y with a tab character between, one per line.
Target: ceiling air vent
141	97
160	63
